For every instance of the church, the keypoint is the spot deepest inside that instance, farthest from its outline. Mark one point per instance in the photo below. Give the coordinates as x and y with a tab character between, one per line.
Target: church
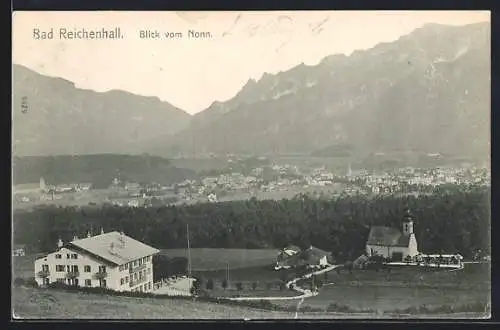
393	243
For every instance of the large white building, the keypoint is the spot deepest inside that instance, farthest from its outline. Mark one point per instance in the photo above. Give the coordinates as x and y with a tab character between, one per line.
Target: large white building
109	260
393	243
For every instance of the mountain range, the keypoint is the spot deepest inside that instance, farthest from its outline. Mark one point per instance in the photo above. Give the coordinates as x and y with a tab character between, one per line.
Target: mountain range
58	118
428	91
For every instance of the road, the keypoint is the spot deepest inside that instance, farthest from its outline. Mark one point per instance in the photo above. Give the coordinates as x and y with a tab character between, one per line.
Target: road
304	293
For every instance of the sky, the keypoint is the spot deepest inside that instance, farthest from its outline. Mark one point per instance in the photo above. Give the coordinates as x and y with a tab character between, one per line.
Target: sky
193	73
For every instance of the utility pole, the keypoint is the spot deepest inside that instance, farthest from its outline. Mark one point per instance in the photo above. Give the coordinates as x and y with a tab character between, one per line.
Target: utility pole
188	251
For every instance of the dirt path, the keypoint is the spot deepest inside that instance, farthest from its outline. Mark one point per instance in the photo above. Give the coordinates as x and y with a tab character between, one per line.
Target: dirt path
304	293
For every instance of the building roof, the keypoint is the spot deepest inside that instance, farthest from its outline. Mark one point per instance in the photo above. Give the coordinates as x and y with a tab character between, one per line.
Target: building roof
114	247
292	248
387	236
310	256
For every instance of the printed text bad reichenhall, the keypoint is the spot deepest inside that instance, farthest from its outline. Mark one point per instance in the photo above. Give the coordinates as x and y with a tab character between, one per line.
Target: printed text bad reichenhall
81	33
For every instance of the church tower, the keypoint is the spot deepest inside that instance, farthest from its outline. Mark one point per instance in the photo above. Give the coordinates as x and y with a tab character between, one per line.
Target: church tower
42	184
408	223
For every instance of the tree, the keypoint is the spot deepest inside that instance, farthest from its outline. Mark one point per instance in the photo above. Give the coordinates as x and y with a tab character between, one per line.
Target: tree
239	286
456	220
196	287
224	284
254	286
210	284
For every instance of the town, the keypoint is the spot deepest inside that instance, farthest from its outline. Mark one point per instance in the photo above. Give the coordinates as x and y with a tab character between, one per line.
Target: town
271	181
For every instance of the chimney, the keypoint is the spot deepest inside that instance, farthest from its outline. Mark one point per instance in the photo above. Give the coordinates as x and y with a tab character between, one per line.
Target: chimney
102	231
60	243
88	234
122	239
112	248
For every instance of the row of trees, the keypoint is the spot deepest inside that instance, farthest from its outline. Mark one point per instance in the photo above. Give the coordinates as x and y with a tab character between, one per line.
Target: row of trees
455	221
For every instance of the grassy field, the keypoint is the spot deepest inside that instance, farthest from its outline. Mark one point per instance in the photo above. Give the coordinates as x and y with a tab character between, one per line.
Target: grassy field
256	273
403	288
24	266
360	290
207	259
38	303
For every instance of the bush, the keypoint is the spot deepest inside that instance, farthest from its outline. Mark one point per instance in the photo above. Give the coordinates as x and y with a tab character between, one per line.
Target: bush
18	281
254	286
333	307
224	284
31	282
196	288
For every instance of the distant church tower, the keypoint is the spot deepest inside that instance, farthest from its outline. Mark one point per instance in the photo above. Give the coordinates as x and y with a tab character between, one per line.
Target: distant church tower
408	223
42	184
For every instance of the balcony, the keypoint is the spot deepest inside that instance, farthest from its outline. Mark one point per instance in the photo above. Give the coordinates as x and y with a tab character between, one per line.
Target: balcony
136	269
43	273
100	275
72	274
138	281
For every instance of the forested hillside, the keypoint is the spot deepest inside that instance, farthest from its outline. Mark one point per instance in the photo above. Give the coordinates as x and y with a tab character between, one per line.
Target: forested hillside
100	170
456	221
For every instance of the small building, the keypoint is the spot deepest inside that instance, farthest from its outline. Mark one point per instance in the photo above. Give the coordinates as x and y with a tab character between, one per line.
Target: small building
110	260
292	257
18	250
289	251
392	243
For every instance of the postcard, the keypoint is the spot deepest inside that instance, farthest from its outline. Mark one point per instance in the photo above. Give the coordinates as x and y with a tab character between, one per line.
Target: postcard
251	165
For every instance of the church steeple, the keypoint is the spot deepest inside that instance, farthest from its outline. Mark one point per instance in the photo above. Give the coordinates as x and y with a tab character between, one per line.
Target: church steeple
408	223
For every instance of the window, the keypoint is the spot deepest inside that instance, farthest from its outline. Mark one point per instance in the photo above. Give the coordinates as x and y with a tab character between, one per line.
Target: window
126	265
120	268
58	256
60	280
45	268
149	285
88	282
67	256
140	262
60	268
126	279
75	269
145	287
87	269
135	276
135	263
74	256
68	268
122	281
102	269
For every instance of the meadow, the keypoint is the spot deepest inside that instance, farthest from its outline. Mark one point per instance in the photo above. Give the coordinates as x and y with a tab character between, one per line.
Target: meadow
28	303
403	288
378	294
207	259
